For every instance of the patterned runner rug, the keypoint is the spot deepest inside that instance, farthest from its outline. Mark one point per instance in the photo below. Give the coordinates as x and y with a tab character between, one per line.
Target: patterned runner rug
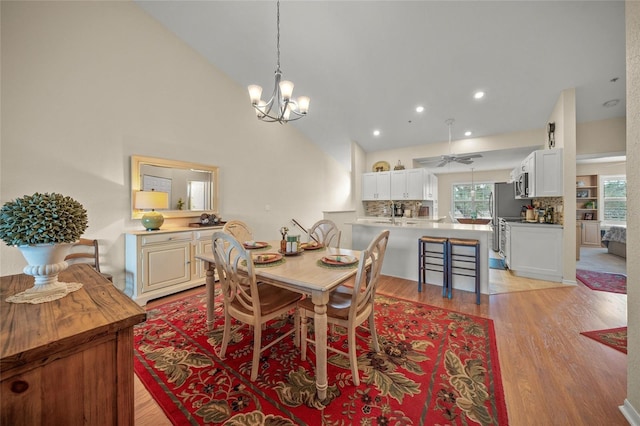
435	367
615	338
603	281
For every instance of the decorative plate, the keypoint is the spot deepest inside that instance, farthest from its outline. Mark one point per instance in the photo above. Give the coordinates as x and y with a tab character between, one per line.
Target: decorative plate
339	259
261	259
381	166
249	245
311	246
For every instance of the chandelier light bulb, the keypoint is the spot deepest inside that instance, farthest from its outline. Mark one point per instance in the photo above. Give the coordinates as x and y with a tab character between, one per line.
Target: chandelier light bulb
303	104
255	92
286	89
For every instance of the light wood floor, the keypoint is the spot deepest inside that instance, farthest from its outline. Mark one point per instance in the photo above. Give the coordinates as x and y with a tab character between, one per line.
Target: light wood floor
551	374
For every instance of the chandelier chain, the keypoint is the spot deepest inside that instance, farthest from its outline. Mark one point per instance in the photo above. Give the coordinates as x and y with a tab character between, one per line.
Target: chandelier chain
278	32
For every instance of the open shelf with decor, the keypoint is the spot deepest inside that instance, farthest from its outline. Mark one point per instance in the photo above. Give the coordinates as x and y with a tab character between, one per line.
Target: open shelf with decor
587	210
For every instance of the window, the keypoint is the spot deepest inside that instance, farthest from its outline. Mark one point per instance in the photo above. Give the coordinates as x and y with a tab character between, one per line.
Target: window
613	206
464	205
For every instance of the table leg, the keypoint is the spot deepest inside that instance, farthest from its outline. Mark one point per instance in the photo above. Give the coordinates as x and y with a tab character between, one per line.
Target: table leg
320	325
210	282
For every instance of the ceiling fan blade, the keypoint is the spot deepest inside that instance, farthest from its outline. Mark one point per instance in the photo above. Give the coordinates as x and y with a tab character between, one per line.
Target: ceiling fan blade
464	161
443	163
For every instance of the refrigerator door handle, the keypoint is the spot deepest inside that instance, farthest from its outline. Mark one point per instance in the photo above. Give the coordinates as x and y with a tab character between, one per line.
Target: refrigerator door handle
491	205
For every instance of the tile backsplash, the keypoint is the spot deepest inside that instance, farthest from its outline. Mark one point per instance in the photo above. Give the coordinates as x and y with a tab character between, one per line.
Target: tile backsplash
556	203
383	208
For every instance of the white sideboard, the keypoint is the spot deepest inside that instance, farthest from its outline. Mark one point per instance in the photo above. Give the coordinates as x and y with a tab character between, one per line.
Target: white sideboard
163	262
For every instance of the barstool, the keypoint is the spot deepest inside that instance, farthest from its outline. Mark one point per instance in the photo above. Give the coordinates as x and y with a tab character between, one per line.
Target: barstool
433	260
464	264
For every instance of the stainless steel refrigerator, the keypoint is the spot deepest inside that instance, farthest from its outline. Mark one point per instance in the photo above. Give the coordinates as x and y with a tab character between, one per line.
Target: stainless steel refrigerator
502	203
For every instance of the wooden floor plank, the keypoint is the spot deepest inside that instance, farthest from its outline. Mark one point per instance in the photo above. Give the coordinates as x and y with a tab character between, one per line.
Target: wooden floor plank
551	374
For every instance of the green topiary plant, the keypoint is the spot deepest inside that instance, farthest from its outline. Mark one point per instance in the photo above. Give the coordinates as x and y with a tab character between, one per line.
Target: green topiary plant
42	219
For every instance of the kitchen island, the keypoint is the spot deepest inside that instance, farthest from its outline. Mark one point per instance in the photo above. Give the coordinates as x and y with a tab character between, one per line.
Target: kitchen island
401	258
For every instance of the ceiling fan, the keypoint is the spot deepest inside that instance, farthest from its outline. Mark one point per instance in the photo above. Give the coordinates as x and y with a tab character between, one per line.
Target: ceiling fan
452	158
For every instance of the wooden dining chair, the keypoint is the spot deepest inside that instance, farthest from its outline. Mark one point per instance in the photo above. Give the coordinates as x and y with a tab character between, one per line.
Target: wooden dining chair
87	251
239	230
326	232
245	299
350	307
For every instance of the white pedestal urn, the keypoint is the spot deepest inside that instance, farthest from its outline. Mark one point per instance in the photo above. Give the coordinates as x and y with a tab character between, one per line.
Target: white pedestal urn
45	262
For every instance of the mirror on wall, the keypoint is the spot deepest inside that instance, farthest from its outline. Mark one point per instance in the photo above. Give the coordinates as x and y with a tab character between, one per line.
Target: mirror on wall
192	188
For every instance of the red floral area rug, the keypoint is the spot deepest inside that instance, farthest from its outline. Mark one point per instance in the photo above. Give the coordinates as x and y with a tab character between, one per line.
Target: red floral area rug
615	338
435	367
603	281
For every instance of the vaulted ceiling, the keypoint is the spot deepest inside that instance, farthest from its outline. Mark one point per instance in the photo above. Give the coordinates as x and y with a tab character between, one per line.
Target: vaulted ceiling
367	65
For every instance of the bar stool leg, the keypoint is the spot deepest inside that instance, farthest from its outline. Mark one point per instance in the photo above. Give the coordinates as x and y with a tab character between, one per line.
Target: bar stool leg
446	286
426	261
475	244
478	274
420	265
449	269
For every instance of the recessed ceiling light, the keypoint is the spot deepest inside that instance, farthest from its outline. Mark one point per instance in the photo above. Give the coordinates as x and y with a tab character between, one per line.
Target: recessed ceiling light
478	95
467	133
419	108
611	103
376	133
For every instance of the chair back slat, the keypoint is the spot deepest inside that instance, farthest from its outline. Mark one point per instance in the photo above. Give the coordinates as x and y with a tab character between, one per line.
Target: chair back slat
326	232
239	287
367	277
239	230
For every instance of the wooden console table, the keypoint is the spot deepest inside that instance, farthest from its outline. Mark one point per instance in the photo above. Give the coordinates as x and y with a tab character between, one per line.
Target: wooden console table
69	361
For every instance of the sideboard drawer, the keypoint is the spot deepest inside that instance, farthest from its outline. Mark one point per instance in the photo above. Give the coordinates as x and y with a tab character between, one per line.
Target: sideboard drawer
166	238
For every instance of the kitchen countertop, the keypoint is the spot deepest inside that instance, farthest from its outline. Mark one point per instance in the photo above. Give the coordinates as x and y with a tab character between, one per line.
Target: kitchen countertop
419	223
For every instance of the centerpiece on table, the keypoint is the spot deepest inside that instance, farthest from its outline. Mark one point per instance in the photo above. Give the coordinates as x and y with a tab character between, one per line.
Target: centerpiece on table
43	227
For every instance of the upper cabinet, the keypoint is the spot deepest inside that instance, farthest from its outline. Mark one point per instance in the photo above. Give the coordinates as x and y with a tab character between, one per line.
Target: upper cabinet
396	185
432	187
545	173
376	186
408	184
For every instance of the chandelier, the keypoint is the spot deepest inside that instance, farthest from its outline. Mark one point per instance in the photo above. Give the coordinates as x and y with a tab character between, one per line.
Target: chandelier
281	107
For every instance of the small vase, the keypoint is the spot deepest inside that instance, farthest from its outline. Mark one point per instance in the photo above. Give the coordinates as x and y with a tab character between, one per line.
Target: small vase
45	262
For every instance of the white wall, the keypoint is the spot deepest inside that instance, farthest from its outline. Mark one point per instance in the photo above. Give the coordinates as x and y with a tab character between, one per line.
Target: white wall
85	85
564	115
632	14
601	137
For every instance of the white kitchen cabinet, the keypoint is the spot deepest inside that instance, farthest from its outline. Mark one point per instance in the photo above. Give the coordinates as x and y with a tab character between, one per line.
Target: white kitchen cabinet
408	184
163	262
376	186
545	173
432	187
535	251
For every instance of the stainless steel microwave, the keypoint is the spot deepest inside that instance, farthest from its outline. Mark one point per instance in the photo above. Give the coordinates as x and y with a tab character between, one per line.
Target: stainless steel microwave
522	185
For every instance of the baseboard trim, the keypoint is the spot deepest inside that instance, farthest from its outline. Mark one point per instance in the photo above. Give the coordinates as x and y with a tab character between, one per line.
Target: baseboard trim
630	413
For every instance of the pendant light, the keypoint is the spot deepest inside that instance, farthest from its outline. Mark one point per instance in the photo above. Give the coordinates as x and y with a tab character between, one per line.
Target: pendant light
281	108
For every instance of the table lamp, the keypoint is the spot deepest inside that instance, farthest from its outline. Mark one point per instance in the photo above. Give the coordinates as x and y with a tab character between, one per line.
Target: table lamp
145	200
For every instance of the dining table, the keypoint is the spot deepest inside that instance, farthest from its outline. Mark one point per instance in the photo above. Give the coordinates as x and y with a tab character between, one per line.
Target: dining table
304	272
